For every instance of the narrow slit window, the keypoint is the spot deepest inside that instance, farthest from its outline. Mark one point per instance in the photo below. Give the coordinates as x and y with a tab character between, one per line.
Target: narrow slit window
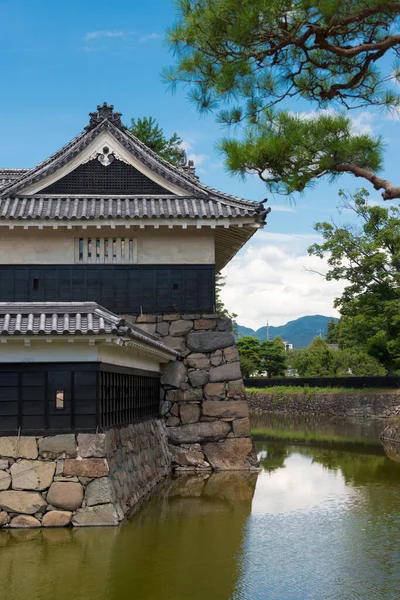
97	250
81	250
114	250
36	284
60	396
106	250
89	249
123	250
130	251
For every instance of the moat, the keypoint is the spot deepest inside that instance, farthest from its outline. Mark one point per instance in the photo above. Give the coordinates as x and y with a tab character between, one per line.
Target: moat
318	522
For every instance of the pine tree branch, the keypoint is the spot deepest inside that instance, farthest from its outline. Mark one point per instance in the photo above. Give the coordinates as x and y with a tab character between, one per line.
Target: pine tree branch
390	191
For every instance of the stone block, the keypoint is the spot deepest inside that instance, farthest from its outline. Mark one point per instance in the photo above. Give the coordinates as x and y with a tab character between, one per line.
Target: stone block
25	522
18	447
172	317
174	374
4	518
87	467
3	464
165	408
209	341
205	324
22	502
233	454
231	354
5	480
190	413
236	388
92	445
198	361
241	427
162	328
215	391
198	432
191	316
176	343
175	409
227	372
57	518
147	327
217	358
146	319
210	316
101	515
32	475
224	324
172	422
187	458
99	491
198	378
58	446
65	495
225	409
180	328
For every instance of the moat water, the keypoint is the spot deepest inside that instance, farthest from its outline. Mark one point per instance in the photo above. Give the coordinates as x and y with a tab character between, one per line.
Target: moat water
317	523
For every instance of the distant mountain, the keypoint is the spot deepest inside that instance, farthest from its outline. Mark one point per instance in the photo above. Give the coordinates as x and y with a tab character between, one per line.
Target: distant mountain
300	332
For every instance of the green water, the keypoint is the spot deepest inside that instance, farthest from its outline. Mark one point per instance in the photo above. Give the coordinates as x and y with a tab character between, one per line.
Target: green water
316	523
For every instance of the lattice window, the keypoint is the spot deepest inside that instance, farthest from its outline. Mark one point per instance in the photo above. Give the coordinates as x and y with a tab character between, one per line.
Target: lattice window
105	251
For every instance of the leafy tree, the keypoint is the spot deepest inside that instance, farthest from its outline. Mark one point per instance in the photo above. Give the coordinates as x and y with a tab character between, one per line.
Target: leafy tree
249	56
150	133
316	361
273	357
219	305
332	335
249	351
368	258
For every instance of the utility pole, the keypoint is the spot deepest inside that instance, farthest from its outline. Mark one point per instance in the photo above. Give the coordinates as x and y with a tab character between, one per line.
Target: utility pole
267	331
320	332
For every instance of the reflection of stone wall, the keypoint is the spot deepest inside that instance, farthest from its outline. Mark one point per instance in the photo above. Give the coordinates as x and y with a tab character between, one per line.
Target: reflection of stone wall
390	438
362	404
205	403
84	479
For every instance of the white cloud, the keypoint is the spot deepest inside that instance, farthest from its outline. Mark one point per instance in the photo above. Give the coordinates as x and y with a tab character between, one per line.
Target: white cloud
151	36
188	146
271	282
103	33
282	208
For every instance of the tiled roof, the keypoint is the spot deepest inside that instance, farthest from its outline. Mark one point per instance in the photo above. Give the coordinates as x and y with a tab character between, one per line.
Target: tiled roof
9	175
70	318
167	207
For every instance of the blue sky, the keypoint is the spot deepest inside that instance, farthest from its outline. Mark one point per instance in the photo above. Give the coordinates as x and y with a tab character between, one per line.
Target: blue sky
59	60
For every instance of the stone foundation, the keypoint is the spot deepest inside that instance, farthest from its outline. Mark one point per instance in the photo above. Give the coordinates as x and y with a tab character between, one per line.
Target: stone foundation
83	480
203	402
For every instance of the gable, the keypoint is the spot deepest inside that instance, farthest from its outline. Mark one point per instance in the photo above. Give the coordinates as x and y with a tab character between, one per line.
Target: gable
108	178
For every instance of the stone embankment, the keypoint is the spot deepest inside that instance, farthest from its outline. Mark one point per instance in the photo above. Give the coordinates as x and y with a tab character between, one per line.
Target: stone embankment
204	401
344	404
84	479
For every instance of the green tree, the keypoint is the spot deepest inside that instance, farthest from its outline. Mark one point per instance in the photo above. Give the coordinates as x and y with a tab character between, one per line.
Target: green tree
249	56
219	304
250	354
316	361
148	131
273	357
367	256
332	335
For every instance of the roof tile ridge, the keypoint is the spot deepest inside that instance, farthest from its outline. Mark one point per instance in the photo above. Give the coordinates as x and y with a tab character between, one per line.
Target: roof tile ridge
52	158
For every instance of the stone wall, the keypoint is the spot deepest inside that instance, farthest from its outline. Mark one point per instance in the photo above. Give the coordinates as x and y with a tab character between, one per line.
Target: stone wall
204	401
358	405
83	480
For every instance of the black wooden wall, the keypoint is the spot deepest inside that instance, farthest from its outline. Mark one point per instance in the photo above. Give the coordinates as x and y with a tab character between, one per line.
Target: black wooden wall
95	396
123	289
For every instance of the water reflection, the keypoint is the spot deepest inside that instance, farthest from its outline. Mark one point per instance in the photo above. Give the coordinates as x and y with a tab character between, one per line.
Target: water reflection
185	542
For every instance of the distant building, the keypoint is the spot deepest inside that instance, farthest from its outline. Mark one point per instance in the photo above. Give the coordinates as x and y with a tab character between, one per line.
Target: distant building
288	346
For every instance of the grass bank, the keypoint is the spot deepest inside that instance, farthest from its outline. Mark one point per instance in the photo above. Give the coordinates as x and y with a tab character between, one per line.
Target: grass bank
282	390
310	438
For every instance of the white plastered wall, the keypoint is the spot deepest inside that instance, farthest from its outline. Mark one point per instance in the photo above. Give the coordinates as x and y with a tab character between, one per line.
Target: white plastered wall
155	246
64	350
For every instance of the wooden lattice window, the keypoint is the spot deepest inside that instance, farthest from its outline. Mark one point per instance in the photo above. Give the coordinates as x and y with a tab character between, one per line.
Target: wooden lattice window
105	251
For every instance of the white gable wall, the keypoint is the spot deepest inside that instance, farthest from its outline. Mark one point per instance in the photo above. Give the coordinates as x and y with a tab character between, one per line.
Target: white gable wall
154	246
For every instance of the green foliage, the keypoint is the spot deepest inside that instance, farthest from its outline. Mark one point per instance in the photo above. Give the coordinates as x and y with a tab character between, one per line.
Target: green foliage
219	305
150	133
248	56
368	257
256	356
264	52
332	335
290	152
273	357
293	390
318	360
